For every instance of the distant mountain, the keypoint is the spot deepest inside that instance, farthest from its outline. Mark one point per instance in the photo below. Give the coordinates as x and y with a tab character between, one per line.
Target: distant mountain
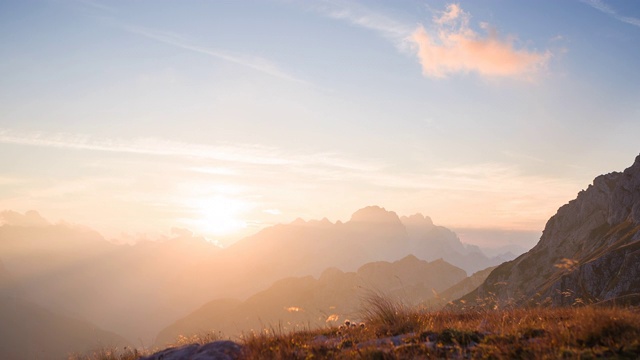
29	331
372	233
6	288
458	290
307	301
428	241
589	251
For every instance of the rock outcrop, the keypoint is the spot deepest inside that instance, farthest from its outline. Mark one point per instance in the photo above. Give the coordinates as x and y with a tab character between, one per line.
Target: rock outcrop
217	350
589	251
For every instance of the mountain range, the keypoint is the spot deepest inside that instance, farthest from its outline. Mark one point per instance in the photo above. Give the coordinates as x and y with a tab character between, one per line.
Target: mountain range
136	290
308	302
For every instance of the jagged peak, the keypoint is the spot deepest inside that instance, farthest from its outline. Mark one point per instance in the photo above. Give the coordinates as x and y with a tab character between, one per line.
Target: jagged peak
375	215
298	221
409	259
417	219
635	166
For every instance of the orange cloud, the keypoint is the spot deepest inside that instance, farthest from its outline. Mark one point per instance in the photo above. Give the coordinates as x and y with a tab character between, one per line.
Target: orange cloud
457	48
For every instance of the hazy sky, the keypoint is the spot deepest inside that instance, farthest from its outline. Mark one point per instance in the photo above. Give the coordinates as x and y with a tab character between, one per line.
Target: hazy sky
226	116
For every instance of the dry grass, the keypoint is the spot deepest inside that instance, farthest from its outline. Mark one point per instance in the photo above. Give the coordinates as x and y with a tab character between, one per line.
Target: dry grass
396	332
110	354
393	331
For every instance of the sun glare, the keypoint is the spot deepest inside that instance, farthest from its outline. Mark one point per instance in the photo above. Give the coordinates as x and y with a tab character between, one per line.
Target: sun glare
219	215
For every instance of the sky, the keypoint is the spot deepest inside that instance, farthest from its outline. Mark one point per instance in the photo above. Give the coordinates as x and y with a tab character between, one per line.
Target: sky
137	118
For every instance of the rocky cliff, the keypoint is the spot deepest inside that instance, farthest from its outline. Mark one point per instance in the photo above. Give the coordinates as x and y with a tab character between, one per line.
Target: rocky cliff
589	251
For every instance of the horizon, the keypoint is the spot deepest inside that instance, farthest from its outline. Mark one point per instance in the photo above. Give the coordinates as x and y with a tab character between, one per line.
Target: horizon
137	118
490	241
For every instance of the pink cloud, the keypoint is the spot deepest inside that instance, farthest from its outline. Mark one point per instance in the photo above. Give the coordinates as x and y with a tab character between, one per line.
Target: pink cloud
457	48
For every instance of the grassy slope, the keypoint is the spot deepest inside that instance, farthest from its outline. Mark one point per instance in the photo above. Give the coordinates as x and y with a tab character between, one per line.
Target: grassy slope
393	332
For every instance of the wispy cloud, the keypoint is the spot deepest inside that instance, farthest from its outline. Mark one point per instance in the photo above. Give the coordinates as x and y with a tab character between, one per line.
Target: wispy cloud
605	8
359	15
147	146
450	46
235	153
253	62
457	48
96	5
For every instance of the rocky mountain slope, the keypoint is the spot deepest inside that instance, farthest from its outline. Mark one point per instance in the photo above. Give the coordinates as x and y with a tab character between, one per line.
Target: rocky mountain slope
589	251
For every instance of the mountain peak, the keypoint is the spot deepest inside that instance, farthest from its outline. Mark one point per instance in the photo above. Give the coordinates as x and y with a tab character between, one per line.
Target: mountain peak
375	215
417	219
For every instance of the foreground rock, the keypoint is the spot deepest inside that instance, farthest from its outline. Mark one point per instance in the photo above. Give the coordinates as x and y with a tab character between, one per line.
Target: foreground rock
217	350
589	252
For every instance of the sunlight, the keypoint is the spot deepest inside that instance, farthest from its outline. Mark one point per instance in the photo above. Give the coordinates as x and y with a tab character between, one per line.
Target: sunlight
219	215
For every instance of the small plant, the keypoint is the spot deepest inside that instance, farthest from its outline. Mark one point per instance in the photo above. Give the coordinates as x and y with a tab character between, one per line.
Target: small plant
387	316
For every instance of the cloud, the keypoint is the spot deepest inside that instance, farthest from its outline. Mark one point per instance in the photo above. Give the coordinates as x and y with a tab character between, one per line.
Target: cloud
456	48
364	17
253	62
233	153
96	5
148	146
453	48
605	8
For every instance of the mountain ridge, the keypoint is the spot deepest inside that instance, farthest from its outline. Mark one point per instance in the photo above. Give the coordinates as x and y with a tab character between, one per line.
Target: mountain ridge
317	301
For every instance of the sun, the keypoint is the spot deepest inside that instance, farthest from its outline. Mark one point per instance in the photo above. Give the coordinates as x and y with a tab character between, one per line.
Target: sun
218	215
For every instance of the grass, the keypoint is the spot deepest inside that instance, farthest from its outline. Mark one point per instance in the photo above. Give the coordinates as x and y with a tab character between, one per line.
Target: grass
110	354
394	331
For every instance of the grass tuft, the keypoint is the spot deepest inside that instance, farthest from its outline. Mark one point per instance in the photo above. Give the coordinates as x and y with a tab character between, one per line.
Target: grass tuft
387	316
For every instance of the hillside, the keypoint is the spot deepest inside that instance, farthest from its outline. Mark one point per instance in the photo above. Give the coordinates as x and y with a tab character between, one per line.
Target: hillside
295	303
29	331
589	251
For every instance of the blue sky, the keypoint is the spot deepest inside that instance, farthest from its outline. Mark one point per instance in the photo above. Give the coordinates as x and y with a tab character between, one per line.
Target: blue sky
224	117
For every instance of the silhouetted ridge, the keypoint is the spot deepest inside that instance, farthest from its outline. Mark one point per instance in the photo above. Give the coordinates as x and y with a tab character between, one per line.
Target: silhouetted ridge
417	220
375	215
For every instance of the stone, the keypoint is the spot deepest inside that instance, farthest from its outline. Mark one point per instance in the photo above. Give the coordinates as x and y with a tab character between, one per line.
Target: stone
217	350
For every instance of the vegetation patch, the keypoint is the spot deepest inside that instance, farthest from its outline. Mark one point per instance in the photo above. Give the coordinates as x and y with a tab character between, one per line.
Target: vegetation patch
393	331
